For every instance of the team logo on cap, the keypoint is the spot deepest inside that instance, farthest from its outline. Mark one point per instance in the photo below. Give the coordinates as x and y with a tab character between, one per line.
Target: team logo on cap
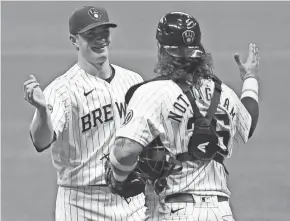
94	14
188	36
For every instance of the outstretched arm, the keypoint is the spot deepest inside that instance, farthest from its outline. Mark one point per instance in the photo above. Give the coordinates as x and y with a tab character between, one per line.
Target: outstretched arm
41	129
249	74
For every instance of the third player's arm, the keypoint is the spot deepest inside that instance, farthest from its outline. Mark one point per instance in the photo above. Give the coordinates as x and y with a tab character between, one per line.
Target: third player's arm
124	157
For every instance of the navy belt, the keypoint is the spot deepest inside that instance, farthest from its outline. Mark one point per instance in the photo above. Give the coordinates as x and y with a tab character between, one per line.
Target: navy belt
188	198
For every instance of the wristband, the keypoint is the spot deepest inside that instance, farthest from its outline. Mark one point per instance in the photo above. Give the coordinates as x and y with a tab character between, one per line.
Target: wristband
119	166
118	177
250	88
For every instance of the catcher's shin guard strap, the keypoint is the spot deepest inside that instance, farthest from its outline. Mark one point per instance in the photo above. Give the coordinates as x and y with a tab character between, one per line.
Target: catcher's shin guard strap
215	99
119	177
177	164
194	106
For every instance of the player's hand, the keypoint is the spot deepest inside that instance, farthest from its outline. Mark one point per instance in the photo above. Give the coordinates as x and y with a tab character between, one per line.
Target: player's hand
33	93
250	68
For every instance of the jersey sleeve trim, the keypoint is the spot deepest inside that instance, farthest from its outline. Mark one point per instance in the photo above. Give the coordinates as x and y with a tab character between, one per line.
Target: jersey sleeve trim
120	166
46	147
252	107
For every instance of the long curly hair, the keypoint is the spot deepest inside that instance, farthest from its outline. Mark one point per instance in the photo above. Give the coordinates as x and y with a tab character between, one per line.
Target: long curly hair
184	69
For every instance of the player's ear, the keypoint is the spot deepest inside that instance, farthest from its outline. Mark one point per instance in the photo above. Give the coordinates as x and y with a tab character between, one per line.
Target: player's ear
73	39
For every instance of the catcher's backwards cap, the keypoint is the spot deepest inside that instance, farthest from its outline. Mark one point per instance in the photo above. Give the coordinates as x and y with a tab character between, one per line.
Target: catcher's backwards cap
87	18
179	34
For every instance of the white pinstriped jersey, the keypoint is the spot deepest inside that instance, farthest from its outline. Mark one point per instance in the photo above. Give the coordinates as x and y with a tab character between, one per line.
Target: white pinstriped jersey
161	108
86	111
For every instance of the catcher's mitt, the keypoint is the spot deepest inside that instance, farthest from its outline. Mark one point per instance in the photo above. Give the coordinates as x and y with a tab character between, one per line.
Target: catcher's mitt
132	186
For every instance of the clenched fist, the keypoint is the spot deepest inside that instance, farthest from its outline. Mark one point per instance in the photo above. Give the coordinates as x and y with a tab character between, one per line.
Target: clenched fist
33	93
250	68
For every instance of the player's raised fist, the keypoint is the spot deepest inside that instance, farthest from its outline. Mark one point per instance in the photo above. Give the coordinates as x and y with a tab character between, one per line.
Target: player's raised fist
33	93
250	68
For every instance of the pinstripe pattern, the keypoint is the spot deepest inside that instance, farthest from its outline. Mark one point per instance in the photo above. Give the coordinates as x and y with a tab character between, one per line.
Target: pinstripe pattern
95	203
86	112
153	106
211	210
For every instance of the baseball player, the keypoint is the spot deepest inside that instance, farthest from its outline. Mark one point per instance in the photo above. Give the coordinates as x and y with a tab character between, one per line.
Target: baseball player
77	115
194	117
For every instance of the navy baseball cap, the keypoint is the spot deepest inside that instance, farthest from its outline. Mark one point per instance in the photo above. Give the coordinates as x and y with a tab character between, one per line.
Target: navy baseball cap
87	18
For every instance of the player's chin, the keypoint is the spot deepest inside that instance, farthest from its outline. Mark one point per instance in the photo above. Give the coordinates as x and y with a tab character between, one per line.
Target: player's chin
100	55
99	59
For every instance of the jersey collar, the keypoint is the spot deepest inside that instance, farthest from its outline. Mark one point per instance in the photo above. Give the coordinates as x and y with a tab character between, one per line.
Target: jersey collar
112	75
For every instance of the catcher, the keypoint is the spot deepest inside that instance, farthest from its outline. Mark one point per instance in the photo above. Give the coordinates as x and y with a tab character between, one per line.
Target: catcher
181	126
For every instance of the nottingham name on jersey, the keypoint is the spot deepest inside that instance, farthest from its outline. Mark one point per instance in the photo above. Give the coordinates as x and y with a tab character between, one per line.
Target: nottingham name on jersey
160	108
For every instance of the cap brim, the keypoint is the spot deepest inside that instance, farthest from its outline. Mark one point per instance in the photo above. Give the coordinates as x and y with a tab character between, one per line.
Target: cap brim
185	52
97	24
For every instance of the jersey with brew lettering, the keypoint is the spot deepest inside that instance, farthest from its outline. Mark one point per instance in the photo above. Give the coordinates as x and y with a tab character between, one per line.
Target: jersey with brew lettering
161	108
85	113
